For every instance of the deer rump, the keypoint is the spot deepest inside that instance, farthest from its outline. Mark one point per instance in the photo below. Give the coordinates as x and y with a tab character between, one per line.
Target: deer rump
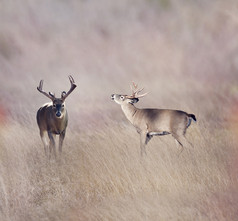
162	121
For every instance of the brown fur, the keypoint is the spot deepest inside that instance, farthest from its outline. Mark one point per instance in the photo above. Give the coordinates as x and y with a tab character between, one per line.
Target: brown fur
50	125
52	118
155	122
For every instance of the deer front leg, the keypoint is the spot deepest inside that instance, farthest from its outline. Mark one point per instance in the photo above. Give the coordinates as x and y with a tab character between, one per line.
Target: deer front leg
143	141
45	141
52	143
148	138
61	139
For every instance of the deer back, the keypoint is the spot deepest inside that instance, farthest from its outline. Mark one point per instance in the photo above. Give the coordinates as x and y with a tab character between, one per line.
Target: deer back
159	119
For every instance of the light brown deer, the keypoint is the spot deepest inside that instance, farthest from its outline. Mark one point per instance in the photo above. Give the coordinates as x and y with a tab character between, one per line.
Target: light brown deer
154	122
52	119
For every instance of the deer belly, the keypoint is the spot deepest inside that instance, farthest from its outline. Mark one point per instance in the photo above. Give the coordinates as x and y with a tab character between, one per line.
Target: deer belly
57	132
57	127
158	133
159	128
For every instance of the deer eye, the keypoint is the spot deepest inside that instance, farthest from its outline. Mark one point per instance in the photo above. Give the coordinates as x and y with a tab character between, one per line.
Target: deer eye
62	105
54	105
122	97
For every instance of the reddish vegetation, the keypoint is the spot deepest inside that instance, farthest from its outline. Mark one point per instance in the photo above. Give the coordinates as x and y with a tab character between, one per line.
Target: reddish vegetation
233	119
3	115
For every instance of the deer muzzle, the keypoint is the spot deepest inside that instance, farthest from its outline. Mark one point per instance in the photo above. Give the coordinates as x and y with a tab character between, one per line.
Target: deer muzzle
58	114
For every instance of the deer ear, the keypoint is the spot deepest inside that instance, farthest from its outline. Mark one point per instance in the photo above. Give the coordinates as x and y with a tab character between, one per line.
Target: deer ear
134	100
63	94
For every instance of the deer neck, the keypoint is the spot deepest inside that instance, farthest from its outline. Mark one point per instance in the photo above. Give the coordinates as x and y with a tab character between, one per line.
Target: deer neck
60	122
129	110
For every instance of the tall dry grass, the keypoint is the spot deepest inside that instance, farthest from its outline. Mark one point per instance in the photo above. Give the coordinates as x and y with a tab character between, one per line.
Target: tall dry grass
101	176
184	53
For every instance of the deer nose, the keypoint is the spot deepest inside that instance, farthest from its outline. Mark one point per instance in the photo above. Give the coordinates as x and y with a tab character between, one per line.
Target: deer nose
112	96
58	114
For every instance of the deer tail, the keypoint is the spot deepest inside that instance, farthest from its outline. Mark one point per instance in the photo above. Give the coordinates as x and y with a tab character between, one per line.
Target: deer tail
192	116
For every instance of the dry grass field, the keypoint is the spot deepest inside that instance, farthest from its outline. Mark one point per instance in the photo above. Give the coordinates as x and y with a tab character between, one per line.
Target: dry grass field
185	54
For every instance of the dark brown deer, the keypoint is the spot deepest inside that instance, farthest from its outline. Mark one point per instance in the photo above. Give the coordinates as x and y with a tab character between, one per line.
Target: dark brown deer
52	119
154	122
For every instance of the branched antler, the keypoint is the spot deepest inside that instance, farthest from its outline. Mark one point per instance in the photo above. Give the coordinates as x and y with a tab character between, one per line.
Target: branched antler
73	86
40	89
136	91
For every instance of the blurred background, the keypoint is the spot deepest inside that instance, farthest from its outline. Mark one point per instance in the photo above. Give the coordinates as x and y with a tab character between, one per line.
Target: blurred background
184	53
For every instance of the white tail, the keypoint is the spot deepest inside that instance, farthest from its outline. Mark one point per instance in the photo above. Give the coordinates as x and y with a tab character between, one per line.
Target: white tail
154	122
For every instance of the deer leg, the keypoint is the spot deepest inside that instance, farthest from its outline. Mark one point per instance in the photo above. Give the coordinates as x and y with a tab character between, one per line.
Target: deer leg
45	141
61	139
148	135
179	142
188	143
143	141
148	138
182	141
52	143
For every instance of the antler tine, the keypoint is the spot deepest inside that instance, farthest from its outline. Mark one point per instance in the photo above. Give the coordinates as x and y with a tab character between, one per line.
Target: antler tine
40	85
73	86
139	90
136	91
71	79
132	90
39	88
142	95
135	85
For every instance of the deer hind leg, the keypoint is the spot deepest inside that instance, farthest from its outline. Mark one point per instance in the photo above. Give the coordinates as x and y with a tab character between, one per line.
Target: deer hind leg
188	143
52	143
45	141
180	141
61	139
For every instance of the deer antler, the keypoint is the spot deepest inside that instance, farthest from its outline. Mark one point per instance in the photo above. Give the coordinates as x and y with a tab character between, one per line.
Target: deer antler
39	88
136	91
73	86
